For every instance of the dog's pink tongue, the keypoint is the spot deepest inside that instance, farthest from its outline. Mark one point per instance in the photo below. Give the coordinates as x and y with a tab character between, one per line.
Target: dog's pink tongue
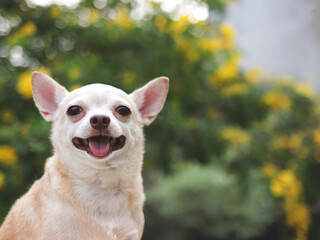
99	146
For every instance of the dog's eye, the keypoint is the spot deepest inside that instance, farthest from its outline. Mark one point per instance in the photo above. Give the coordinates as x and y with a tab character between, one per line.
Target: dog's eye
74	110
123	111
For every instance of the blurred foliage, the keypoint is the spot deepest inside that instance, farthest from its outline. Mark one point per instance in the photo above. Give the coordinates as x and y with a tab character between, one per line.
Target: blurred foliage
193	196
233	155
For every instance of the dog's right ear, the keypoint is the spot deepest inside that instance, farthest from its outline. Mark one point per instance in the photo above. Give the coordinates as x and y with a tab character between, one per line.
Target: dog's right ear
47	94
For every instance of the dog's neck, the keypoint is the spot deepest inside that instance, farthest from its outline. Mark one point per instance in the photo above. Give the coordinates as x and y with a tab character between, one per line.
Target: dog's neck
114	174
97	188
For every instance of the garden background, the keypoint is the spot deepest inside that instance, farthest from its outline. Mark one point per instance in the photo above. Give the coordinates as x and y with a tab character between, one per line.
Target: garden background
234	154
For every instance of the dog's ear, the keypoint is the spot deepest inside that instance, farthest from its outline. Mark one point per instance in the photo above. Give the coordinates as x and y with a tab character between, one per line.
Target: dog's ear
150	98
47	94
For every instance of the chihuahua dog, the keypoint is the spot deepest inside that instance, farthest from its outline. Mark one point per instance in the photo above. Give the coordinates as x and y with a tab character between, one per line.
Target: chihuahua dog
92	185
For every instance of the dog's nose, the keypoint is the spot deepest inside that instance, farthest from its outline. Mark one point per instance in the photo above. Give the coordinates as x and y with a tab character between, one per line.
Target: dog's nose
99	122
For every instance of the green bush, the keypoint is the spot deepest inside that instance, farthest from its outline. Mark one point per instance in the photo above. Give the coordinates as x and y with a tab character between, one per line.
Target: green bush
208	203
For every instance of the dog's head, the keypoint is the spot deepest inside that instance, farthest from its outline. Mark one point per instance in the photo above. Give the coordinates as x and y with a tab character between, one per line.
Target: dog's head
97	123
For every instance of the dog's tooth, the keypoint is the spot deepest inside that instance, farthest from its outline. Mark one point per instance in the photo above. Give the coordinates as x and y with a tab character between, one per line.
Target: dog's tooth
85	142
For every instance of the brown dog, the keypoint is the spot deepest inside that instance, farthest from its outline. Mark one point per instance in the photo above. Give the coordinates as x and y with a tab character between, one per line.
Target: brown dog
92	185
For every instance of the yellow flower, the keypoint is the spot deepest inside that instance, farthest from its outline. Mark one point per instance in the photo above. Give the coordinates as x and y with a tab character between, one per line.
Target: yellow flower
2	182
304	91
94	15
285	184
24	83
269	170
227	33
316	137
211	45
28	29
292	142
74	73
25	30
295	190
227	72
224	74
192	54
252	75
276	188
7	116
298	217
235	89
180	25
227	44
8	155
235	136
122	18
277	100
55	12
227	30
161	23
186	47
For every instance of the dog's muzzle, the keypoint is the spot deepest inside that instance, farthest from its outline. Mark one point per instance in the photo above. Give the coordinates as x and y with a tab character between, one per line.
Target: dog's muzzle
99	146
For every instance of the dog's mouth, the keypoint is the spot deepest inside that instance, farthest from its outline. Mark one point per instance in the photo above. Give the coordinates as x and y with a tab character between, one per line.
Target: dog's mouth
99	146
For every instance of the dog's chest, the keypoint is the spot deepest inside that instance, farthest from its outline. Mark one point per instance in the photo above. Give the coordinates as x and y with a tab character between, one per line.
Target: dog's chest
103	202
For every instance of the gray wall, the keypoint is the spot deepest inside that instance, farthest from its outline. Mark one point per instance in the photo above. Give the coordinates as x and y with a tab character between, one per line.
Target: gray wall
280	36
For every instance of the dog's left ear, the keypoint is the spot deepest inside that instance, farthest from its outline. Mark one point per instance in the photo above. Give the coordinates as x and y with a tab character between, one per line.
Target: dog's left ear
47	94
150	98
